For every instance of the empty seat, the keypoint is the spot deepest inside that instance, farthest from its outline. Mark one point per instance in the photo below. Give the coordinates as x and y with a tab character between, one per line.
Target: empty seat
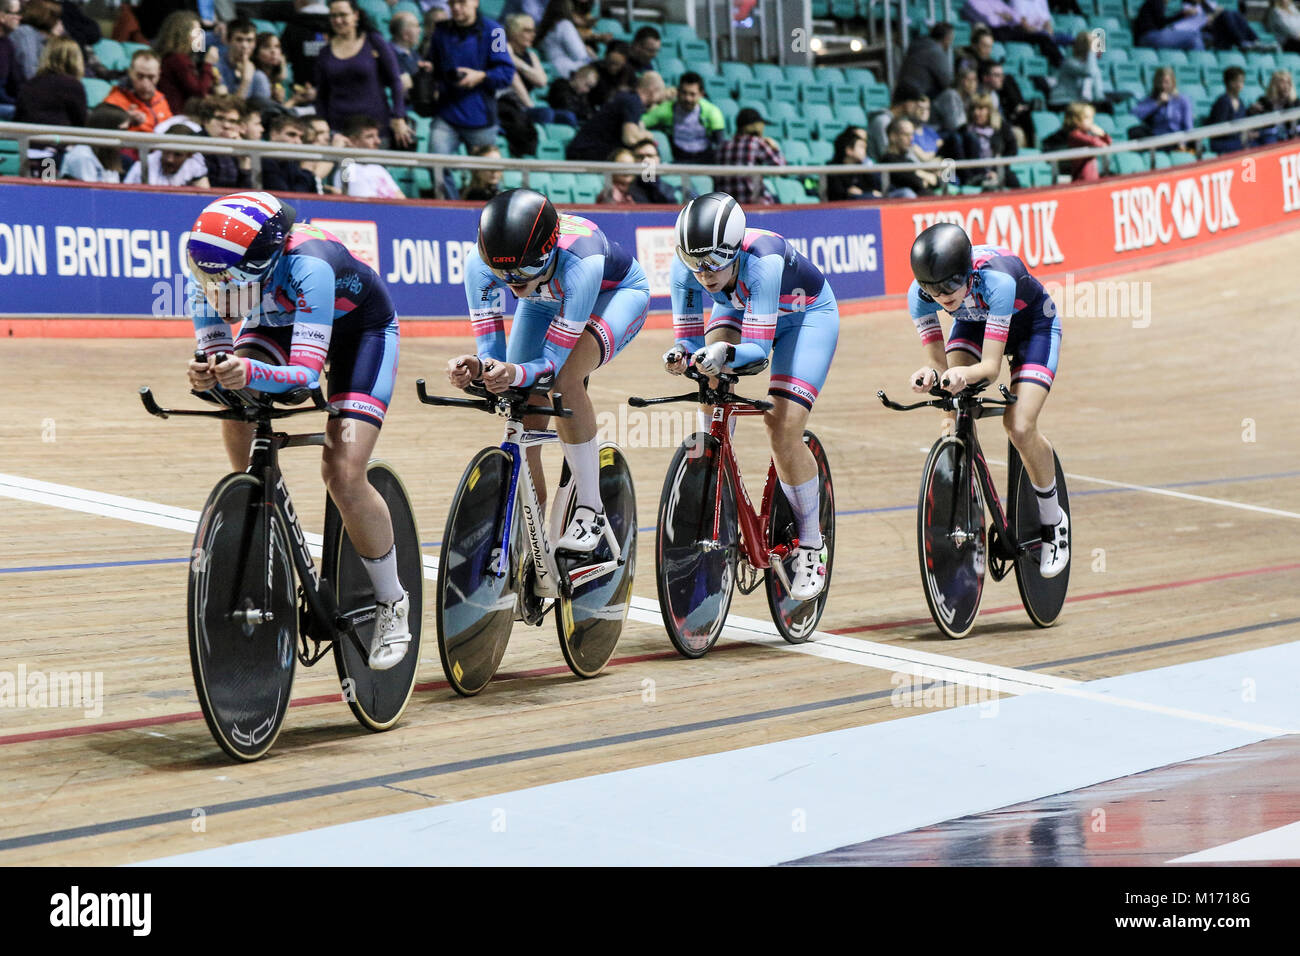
815	93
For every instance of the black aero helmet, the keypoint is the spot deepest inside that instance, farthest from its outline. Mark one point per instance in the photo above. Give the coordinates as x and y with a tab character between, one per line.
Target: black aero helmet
710	230
517	232
941	258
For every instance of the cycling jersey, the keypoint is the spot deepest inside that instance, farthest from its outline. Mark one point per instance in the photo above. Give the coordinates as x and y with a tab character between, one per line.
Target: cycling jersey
596	286
780	303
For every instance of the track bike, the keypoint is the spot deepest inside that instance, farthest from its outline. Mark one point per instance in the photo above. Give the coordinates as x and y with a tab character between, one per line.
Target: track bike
249	624
950	524
498	564
709	542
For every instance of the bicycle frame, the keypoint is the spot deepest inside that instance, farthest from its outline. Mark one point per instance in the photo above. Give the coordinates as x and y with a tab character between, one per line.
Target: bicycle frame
753	526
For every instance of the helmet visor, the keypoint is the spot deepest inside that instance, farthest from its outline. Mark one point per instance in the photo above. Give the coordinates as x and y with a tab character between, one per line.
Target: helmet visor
715	260
946	287
522	274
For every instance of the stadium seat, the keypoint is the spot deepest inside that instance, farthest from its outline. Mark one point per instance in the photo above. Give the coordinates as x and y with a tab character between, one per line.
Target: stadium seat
769	73
695	51
1265	75
875	98
811	93
843	94
1188	74
798	129
822	152
718	88
1229	58
821	9
96	90
1122	164
1034	66
1203	58
10	165
550	149
844	9
586	187
1144	54
1070	23
783	91
736	73
1045	124
111	55
729	108
828	129
675	32
560	191
664	144
797	153
380	13
1260	61
1114	27
1122	73
559	132
670	68
806	74
1116	54
1106	122
1162	160
752	90
852	115
512	179
1180	158
782	110
1019	51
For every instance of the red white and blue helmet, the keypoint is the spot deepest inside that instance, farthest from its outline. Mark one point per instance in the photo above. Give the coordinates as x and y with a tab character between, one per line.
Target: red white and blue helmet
238	238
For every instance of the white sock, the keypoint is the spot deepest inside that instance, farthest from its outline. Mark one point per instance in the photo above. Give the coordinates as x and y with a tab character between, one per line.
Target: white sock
383	575
805	499
1049	509
584	462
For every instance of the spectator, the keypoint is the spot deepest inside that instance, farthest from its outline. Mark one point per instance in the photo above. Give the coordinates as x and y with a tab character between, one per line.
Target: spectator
316	132
1079	79
1228	29
1154	28
1081	130
188	117
10	76
1229	107
646	44
471	62
96	164
979	51
80	27
616	73
558	37
529	74
139	95
907	184
189	67
696	128
238	72
39	22
928	63
354	69
251	126
585	17
404	29
906	102
749	148
222	117
1283	21
268	56
1280	95
483	183
305	34
618	122
851	150
983	137
927	142
365	179
1008	100
54	96
1008	25
1165	110
286	175
649	187
952	106
171	167
533	9
619	191
575	94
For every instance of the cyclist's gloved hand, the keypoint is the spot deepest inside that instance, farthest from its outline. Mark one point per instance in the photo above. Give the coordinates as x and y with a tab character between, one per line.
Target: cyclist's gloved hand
712	359
676	360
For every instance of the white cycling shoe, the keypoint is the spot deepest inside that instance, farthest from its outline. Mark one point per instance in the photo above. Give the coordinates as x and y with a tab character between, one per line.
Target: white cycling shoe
1055	554
392	635
806	569
585	531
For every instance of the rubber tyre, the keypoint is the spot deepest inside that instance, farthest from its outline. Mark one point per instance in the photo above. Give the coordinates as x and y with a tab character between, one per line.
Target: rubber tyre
952	575
1043	597
797	620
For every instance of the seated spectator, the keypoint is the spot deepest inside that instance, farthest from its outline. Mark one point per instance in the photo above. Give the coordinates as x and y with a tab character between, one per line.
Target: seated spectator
1079	79
483	183
952	105
927	65
1008	100
696	128
1165	110
1283	21
1229	107
1198	23
286	175
927	142
1280	95
558	38
650	186
529	74
616	73
139	95
905	102
268	56
238	72
851	150
55	96
984	136
1225	29
576	94
1008	25
222	117
10	76
619	190
96	164
1081	130
187	68
170	167
980	49
39	22
355	70
749	147
316	132
618	122
646	44
188	117
364	179
585	17
907	184
251	127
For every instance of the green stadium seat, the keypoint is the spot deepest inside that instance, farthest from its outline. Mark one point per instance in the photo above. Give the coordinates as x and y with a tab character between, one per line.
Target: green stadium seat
783	91
1106	122
705	68
512	179
1045	124
1212	75
111	55
10	163
492	9
1015	52
736	73
611	26
821	9
815	93
816	111
1144	54
806	74
695	51
752	90
1162	160
1181	158
96	90
559	132
822	152
1290	61
769	73
717	89
798	129
1265	75
797	153
828	129
1251	92
1114	27
844	9
729	108
1112	8
845	94
1034	66
1260	61
861	76
1070	23
755	104
1122	73
1187	74
670	68
380	13
550	149
675	32
586	187
1116	54
560	192
1203	58
1230	58
875	98
1198	95
1121	164
782	110
665	145
852	115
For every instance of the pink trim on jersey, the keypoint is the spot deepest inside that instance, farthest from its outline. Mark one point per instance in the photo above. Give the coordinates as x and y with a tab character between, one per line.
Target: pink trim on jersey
479	326
723	321
965	345
309	356
344	305
807	299
605	337
358	397
759	331
995	332
1033	373
931	335
1020	304
562	337
983	258
263	342
796	382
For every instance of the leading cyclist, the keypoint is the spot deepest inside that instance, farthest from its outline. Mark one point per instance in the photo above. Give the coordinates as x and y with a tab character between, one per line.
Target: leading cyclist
302	298
767	299
997	308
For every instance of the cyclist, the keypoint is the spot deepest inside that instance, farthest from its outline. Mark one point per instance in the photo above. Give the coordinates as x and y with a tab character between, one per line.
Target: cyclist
997	308
766	299
582	299
302	298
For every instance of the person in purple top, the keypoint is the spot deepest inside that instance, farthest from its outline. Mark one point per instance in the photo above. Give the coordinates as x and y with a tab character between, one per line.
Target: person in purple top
1007	24
353	70
1165	110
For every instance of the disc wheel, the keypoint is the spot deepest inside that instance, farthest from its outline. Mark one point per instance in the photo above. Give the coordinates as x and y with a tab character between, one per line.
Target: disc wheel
951	537
797	620
1043	597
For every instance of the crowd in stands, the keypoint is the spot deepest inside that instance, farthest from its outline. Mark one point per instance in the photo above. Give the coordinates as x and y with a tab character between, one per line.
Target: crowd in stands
442	77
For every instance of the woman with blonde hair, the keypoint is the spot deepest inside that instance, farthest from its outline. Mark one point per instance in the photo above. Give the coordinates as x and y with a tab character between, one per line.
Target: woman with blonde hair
189	66
1079	79
1165	110
1081	130
984	136
55	96
1280	95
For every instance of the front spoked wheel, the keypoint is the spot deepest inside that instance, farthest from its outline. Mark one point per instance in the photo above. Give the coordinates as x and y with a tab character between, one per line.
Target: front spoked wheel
797	620
951	537
695	568
377	698
590	621
242	618
1043	597
476	584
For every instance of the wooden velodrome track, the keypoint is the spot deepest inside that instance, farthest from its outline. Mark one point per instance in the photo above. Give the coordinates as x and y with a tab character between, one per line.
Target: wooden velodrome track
1163	405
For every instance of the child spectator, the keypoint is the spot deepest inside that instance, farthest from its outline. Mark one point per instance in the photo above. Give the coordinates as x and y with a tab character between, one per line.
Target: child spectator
619	191
1229	107
238	72
97	164
1081	130
171	167
483	183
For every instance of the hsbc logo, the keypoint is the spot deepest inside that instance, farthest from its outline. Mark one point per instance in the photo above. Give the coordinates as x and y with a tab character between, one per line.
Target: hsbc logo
1290	182
1147	215
1027	229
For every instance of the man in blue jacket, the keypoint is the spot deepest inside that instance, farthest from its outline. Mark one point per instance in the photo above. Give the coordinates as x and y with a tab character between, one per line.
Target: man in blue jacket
471	62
